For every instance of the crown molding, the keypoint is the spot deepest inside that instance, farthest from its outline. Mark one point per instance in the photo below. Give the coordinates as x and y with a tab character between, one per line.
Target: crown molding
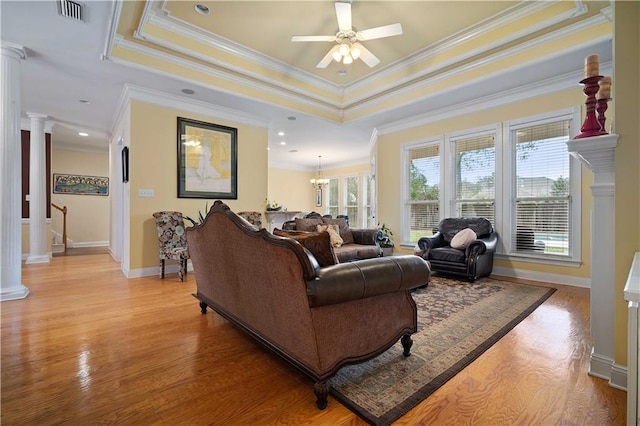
537	89
155	97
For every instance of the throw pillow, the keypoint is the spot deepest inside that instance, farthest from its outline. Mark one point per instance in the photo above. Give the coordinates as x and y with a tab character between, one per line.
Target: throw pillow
318	243
308	224
334	233
343	226
463	238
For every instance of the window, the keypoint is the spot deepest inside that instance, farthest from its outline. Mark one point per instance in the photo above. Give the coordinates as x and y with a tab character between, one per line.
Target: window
423	190
351	202
541	212
333	201
517	174
475	173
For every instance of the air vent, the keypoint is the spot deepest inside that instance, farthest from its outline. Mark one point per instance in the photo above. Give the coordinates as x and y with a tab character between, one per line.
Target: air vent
70	9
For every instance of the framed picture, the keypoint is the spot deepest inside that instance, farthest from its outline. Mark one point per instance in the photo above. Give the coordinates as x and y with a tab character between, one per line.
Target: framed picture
80	185
318	197
125	164
207	160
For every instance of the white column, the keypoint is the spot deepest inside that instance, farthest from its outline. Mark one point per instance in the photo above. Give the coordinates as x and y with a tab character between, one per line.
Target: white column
37	191
10	174
598	153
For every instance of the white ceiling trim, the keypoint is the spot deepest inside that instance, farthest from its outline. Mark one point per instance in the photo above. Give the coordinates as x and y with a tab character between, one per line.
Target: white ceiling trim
473	32
156	97
488	59
137	48
163	19
530	91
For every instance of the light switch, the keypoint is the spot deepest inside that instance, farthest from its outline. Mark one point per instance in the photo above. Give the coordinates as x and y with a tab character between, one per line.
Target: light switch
146	193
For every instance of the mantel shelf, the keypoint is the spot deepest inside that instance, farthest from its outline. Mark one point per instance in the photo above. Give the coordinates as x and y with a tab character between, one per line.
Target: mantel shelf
597	152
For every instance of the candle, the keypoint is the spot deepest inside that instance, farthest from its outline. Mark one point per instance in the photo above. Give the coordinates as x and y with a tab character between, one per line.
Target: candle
605	88
591	66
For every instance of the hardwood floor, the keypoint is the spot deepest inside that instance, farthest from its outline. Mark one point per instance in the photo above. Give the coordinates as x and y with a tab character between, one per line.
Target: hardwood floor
89	346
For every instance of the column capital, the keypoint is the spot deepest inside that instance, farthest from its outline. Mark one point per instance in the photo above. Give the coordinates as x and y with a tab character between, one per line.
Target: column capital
36	115
13	50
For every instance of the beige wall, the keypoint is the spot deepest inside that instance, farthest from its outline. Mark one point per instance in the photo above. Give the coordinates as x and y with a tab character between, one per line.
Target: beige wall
153	165
87	215
291	189
626	92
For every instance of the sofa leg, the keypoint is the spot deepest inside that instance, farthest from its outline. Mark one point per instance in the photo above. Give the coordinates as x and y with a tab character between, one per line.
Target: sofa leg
161	268
203	307
321	390
407	342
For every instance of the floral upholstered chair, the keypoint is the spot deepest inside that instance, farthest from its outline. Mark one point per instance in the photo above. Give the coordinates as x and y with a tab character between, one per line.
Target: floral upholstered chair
172	240
254	218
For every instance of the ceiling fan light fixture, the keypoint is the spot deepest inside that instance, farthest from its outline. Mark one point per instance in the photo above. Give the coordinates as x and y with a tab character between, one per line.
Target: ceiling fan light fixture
343	49
336	55
355	52
347	59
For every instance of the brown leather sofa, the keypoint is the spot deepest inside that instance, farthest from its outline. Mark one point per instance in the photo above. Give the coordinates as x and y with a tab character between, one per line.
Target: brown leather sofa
319	319
357	243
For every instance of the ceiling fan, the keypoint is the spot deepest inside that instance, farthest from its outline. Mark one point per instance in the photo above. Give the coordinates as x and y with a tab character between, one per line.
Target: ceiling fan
348	47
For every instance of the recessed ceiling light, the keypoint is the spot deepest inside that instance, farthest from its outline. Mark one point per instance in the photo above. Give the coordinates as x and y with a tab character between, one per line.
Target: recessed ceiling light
283	143
84	101
187	91
342	73
201	9
280	133
292	118
83	134
293	150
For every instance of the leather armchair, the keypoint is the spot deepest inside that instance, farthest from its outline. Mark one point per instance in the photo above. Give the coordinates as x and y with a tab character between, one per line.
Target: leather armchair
472	262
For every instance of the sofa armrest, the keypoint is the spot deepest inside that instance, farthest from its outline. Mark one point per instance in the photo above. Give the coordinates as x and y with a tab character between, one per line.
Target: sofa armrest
365	236
289	225
345	282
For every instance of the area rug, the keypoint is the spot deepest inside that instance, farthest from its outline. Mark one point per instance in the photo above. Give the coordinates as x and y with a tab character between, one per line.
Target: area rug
457	322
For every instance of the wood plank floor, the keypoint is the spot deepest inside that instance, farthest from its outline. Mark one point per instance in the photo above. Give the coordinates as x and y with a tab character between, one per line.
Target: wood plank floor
88	346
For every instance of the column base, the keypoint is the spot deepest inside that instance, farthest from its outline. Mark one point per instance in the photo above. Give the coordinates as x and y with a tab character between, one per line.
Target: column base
14	293
40	258
600	366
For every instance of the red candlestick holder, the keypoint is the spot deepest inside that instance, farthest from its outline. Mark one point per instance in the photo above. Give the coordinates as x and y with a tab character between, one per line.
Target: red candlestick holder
601	108
591	126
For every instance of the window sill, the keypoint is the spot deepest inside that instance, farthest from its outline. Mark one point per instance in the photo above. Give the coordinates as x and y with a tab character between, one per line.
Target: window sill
547	260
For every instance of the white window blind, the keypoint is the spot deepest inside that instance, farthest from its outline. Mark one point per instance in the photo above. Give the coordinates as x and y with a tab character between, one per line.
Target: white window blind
351	200
424	190
332	198
542	196
475	171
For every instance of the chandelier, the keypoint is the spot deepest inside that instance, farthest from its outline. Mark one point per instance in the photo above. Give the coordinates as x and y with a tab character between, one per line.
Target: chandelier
319	181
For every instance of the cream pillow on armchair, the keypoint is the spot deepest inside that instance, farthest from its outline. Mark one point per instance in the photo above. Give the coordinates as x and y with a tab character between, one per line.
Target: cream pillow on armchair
463	238
334	233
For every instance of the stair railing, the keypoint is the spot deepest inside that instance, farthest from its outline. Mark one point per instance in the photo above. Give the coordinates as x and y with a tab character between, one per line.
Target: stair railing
64	224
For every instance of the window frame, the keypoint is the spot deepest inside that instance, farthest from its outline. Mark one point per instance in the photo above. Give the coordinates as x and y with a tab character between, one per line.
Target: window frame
504	209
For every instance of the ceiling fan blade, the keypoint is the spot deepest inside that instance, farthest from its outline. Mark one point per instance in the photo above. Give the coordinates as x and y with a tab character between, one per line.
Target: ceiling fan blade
327	58
366	56
379	32
313	38
343	12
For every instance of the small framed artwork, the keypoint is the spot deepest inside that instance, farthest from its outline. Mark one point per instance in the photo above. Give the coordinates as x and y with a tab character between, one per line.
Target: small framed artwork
125	164
80	185
318	197
207	160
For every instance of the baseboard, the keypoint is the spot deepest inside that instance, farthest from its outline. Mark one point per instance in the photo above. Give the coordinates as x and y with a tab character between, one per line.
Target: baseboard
619	374
149	272
542	277
77	244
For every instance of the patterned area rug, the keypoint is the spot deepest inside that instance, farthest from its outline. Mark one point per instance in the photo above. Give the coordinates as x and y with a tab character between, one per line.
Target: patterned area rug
457	322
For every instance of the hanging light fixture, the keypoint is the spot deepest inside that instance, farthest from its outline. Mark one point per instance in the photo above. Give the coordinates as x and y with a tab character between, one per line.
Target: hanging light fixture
319	181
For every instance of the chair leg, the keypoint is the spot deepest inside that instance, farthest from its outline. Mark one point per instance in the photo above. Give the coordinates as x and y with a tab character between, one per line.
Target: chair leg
182	271
161	268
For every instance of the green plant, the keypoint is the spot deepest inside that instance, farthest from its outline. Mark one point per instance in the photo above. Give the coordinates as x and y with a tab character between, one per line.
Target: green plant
200	216
386	236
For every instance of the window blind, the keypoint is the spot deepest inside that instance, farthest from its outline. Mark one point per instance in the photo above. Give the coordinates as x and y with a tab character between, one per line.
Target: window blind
542	189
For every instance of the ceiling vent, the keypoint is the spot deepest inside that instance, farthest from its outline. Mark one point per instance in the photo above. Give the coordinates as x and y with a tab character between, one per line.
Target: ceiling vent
70	9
